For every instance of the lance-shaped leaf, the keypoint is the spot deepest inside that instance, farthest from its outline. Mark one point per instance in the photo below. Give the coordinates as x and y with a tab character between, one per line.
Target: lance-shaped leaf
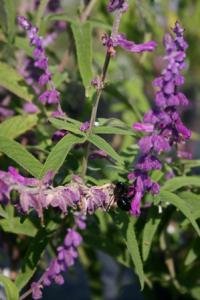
113	130
20	155
82	35
11	290
17	125
13	82
180	204
149	231
16	227
179	182
133	248
100	143
7	18
64	124
32	257
59	153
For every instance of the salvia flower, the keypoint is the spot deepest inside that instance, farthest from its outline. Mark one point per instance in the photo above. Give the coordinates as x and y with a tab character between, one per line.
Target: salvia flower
115	5
66	257
118	39
85	126
50	96
163	125
41	194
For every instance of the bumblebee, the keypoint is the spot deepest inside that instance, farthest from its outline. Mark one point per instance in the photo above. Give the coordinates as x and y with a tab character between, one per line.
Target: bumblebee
121	196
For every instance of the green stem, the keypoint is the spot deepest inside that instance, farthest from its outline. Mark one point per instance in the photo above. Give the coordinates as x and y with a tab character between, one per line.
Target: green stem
87	10
94	112
114	32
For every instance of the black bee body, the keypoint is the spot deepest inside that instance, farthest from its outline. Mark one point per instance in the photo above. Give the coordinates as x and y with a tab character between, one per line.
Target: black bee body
121	196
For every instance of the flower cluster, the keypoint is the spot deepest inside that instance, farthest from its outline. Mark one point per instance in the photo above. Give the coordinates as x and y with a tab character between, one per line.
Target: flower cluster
163	124
40	194
119	40
66	257
50	96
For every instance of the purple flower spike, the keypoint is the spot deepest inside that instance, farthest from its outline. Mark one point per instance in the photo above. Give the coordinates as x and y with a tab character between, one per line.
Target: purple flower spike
163	124
24	23
40	61
66	257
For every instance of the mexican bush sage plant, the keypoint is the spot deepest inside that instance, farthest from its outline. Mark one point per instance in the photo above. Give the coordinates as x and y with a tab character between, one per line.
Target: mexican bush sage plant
78	177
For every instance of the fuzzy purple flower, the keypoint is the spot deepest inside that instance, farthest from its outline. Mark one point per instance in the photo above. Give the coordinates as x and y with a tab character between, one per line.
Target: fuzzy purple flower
120	40
115	5
30	108
163	123
40	194
85	126
66	257
51	96
36	291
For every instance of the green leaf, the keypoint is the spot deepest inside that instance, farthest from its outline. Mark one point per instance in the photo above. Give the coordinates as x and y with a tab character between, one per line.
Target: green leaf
59	153
149	231
179	182
11	290
12	81
193	201
32	257
13	225
113	122
82	34
60	17
20	155
193	253
40	12
7	18
23	43
100	143
60	124
195	293
133	248
112	130
166	196
15	126
73	19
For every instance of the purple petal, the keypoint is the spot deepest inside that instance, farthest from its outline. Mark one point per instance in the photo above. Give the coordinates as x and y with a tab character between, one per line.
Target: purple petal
120	40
